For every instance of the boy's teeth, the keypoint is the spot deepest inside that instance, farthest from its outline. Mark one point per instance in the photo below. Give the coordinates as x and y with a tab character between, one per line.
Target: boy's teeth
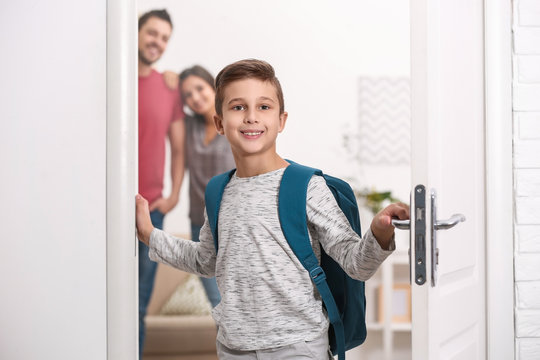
252	133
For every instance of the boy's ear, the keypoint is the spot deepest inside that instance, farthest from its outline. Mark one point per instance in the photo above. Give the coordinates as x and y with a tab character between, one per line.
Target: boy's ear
218	122
282	120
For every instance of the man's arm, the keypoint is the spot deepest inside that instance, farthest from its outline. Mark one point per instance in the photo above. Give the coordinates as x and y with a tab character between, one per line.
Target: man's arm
177	135
176	139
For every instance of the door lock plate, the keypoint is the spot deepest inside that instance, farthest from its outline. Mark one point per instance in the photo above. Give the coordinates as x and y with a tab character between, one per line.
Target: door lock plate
420	234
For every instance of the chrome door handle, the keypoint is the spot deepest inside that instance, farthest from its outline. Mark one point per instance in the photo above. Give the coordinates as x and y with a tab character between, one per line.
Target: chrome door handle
401	224
449	223
420	232
439	225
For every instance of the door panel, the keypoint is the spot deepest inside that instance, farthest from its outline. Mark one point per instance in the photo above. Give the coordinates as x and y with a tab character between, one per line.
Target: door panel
447	100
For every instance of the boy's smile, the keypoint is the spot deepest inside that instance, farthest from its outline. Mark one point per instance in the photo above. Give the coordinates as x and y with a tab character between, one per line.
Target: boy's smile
252	134
251	120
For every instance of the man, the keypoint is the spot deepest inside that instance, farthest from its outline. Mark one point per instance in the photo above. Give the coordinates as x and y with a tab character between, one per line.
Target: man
160	115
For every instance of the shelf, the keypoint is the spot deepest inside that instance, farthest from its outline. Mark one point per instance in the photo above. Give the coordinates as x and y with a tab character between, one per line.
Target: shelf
391	337
401	327
396	327
374	326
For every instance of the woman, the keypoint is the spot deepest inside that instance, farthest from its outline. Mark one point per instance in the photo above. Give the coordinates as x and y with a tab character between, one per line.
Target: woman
207	154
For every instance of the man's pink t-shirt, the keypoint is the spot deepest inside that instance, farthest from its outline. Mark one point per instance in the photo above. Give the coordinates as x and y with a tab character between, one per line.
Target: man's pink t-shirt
159	106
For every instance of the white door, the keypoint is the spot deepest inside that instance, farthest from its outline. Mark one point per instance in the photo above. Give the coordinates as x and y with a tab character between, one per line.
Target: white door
447	90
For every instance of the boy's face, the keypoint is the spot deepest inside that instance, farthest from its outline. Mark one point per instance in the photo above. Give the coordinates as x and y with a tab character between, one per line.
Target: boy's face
153	38
251	120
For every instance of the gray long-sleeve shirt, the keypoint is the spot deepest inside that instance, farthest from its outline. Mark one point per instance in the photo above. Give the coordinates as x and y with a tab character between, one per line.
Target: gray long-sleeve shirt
267	297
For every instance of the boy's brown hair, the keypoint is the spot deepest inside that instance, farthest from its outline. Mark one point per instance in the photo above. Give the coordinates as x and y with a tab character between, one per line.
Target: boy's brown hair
246	69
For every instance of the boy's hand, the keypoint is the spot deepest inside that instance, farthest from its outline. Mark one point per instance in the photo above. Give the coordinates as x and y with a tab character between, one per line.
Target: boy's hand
382	227
142	219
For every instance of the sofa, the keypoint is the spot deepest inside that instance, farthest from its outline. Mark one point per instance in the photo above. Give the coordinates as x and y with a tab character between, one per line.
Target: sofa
176	337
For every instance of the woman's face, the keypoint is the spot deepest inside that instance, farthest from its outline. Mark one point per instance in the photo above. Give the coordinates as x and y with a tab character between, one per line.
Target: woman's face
198	95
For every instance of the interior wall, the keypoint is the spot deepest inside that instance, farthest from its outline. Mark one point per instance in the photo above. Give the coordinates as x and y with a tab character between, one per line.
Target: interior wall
319	50
526	112
53	160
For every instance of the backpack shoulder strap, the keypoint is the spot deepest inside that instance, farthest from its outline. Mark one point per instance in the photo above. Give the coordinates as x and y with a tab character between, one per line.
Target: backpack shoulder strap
212	199
293	219
292	211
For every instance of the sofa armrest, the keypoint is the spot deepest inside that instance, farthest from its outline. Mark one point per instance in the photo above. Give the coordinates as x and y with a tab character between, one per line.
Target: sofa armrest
180	334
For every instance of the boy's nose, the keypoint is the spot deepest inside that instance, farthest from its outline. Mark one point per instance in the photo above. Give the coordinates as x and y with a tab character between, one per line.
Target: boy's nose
250	117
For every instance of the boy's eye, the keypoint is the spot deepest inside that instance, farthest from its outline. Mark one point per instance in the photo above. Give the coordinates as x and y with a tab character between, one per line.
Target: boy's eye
265	107
238	107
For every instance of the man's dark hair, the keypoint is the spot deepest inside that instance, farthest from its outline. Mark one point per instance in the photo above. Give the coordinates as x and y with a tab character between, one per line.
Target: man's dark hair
161	14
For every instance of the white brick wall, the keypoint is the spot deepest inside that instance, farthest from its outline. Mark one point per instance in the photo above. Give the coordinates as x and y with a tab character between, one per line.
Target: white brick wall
526	107
528	13
528	69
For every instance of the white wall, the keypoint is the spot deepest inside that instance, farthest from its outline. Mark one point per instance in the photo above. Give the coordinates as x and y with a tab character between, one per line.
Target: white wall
319	49
52	155
526	106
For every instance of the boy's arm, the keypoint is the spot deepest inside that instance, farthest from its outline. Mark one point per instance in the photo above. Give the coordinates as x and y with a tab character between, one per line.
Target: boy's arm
381	225
142	219
359	257
194	257
183	254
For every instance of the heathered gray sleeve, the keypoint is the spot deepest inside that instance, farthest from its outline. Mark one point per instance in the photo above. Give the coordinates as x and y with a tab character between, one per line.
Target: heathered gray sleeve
327	224
195	257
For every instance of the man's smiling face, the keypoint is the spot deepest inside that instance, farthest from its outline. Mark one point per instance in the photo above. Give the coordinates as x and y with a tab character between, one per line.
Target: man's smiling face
153	38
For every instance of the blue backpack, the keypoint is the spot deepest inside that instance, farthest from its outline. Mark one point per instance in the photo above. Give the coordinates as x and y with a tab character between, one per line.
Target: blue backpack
343	297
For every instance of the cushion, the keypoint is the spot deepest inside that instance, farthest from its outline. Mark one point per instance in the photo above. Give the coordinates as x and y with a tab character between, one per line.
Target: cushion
189	298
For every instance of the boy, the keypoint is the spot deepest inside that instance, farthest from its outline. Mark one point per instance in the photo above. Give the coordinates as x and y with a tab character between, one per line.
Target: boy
270	308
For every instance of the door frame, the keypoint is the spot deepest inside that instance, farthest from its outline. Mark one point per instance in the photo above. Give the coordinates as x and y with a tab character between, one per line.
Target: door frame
122	170
499	180
122	244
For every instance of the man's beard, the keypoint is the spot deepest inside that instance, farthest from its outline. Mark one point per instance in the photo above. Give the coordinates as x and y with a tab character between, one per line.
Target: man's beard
144	60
